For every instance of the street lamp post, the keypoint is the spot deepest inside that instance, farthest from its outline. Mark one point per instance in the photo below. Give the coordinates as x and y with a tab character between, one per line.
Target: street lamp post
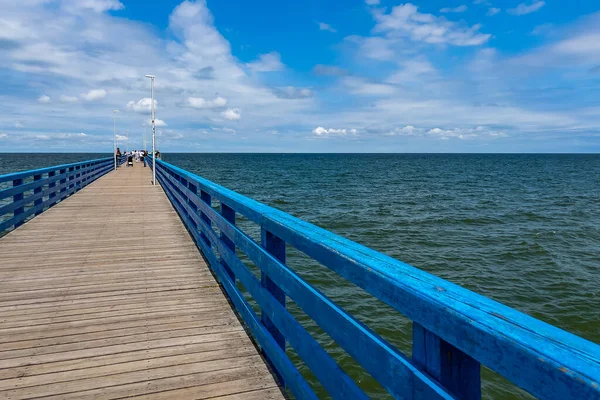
153	130
115	136
145	131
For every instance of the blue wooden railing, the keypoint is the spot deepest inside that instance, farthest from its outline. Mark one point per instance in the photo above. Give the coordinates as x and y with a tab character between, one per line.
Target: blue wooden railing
29	193
454	329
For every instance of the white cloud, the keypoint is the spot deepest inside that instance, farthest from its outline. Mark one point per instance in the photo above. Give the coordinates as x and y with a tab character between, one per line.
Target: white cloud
406	20
526	8
43	99
493	11
232	114
407	130
93	95
375	47
459	9
94	5
367	88
19	125
222	129
267	63
61	136
326	27
581	45
372	2
142	106
68	99
320	131
291	92
201	103
411	71
71	135
121	138
3	135
158	122
465	133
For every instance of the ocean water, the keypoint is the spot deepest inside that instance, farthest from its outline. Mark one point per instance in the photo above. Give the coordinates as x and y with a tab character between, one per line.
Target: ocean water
521	229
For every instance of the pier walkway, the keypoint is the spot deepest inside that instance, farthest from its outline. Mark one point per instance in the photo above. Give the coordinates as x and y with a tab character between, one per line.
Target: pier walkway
105	296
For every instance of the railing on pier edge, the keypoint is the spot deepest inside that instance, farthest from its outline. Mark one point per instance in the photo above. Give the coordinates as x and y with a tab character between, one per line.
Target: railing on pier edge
34	191
454	329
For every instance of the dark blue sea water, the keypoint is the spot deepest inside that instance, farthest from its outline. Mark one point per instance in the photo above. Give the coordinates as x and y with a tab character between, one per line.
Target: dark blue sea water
521	229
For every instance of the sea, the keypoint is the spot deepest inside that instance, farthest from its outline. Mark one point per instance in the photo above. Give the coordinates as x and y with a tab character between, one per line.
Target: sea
522	229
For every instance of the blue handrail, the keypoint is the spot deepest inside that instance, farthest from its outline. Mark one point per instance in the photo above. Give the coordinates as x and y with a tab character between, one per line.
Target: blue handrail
31	192
455	331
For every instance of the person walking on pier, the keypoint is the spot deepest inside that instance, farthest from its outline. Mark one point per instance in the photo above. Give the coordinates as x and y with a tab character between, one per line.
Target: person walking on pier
118	156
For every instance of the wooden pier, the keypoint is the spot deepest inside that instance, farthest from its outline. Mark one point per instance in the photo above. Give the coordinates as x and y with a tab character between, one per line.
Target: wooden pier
106	296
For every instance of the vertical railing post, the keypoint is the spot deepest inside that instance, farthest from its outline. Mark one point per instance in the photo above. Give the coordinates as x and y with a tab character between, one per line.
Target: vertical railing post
71	178
52	185
458	372
18	197
63	182
77	182
229	214
194	192
86	171
205	197
184	196
276	247
36	191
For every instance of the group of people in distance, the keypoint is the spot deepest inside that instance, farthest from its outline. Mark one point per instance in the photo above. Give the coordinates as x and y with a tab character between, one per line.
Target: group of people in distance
135	155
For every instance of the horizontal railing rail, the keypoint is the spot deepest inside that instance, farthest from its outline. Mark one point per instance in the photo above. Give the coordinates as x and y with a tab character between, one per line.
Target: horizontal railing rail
455	331
28	193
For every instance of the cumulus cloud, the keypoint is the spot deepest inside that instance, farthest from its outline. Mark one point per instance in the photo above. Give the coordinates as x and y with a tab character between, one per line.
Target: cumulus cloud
405	20
142	106
232	114
19	125
326	27
93	95
3	135
320	131
158	122
267	63
43	99
201	103
68	99
526	8
459	9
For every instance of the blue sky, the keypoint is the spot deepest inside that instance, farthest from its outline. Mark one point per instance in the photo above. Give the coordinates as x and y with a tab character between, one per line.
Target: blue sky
305	76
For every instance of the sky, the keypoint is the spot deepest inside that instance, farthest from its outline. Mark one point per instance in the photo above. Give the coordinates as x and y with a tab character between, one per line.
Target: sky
301	76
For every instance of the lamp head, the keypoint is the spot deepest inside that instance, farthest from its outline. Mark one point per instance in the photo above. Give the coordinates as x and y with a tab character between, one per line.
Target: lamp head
150	76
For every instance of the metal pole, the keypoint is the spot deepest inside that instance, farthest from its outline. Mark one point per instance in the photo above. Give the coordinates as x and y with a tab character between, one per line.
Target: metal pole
153	132
115	137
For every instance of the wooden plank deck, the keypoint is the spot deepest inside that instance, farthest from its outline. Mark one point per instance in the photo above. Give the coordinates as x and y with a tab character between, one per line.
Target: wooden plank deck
93	305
